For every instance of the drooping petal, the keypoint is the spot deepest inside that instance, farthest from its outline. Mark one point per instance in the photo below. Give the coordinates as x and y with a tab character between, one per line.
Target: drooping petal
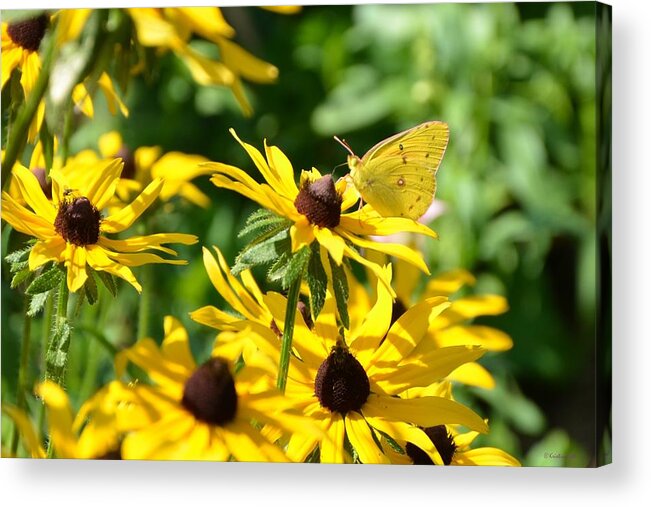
124	218
485	456
45	251
425	412
24	220
31	191
332	448
98	260
75	262
151	241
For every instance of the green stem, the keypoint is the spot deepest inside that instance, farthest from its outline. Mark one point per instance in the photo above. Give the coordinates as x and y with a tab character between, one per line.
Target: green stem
56	358
22	373
47	325
18	134
57	353
288	333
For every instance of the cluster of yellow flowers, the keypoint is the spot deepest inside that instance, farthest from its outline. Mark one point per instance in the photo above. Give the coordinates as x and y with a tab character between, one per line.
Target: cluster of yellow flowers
367	381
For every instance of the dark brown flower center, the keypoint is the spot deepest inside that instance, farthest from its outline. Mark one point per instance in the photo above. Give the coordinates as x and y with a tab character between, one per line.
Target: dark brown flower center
46	185
77	221
442	440
320	202
341	384
210	393
129	168
29	33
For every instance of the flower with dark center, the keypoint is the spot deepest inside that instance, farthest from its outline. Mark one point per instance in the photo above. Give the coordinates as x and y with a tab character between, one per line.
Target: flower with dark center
319	202
341	384
442	440
78	221
29	33
209	394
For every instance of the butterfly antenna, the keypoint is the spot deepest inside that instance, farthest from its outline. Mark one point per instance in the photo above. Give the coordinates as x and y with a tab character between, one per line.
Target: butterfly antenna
345	145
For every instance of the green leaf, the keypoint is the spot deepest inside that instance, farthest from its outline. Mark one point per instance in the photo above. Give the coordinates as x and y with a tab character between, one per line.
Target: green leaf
262	252
36	303
18	266
21	277
317	280
278	268
90	288
108	281
19	255
296	267
46	281
340	286
262	219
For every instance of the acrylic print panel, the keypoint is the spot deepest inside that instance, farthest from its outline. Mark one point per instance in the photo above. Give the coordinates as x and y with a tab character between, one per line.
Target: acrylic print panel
374	234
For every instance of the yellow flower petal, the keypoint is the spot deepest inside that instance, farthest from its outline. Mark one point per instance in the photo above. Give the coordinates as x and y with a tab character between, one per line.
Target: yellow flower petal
47	250
488	337
365	223
24	220
110	144
124	218
31	440
151	29
206	21
397	250
75	262
113	101
245	64
99	261
280	164
301	234
59	413
425	412
448	283
473	374
104	180
31	191
332	242
407	331
176	345
361	438
151	241
402	433
425	370
332	448
366	337
485	456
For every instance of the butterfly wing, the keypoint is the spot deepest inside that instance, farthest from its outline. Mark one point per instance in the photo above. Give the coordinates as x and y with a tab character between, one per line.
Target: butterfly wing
398	175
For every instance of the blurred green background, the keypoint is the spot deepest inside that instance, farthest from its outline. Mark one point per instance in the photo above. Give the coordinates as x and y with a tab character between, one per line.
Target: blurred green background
515	82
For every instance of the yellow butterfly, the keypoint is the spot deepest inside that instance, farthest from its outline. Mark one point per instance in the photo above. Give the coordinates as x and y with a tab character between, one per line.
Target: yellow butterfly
397	177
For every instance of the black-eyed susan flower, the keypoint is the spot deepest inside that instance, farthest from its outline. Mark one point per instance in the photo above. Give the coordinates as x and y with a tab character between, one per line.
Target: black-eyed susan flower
144	164
20	43
352	385
315	210
71	230
202	411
